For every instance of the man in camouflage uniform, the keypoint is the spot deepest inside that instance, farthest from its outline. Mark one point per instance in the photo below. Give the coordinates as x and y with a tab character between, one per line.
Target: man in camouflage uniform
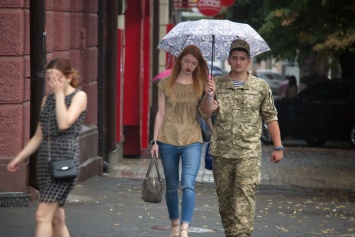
244	101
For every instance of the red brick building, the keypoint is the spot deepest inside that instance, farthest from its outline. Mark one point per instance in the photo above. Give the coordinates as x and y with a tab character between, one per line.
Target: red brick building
109	42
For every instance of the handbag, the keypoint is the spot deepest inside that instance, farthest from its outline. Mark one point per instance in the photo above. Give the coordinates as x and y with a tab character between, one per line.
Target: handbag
63	170
152	189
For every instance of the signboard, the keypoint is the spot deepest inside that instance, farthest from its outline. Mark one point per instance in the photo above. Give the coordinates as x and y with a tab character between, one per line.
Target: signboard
227	3
209	7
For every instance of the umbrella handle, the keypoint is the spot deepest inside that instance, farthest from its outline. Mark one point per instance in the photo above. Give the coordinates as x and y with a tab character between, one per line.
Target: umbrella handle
212	54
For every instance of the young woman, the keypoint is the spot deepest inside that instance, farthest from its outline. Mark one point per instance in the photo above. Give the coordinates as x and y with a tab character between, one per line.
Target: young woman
177	134
60	121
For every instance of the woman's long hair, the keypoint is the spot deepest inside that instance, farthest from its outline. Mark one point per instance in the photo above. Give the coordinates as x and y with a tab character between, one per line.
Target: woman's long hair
64	66
199	75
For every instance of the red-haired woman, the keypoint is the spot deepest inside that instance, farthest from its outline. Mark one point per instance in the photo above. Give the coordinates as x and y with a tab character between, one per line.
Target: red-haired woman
177	134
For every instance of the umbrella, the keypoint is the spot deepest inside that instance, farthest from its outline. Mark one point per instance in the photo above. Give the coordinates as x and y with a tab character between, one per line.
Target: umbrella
164	73
213	37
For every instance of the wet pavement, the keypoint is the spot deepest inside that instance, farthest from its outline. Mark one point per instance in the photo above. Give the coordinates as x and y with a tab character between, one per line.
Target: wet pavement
310	193
331	167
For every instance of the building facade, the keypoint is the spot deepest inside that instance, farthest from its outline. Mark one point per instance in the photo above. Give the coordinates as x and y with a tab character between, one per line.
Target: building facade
111	43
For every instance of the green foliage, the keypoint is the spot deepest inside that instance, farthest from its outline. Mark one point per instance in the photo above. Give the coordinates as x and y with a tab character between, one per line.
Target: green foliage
295	29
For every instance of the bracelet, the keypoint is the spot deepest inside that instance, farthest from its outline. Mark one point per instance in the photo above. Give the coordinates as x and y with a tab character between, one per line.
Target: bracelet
154	142
278	148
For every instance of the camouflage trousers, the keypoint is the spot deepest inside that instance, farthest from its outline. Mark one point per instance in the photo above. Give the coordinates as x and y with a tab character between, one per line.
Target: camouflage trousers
236	181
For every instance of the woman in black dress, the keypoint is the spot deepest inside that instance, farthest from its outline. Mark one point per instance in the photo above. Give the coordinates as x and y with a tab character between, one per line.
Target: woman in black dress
60	121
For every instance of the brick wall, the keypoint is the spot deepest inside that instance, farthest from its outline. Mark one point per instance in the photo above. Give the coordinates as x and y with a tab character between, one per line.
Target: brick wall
71	28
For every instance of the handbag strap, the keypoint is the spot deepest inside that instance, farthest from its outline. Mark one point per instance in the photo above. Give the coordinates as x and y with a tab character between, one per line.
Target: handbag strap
49	137
153	161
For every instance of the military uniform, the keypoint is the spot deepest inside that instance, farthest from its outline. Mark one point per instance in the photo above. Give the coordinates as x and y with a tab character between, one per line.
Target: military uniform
236	147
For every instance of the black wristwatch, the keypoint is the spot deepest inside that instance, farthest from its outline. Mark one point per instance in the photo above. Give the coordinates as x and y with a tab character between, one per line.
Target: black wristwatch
278	148
153	142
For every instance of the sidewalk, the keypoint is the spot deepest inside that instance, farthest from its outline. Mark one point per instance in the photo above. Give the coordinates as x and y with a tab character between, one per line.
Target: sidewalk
330	167
111	206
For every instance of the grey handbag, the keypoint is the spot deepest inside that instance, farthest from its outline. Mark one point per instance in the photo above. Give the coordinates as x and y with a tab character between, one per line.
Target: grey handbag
152	189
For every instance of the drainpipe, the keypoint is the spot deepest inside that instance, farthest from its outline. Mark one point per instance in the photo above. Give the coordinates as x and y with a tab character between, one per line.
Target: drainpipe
112	74
155	67
38	61
101	62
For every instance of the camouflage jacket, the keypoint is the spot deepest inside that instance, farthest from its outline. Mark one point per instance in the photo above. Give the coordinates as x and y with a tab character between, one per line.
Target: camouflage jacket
237	128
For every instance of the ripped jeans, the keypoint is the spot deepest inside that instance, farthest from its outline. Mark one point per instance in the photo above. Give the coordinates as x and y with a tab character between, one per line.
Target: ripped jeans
190	160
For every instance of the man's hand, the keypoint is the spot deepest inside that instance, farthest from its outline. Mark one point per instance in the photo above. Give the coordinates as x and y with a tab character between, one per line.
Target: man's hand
276	156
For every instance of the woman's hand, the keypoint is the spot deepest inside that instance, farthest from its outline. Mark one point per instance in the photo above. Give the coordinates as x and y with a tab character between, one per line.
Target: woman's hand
57	82
13	166
210	87
154	151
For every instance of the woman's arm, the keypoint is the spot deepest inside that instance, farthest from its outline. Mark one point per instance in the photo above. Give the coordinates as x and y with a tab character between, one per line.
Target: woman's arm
159	118
208	104
67	116
209	123
29	149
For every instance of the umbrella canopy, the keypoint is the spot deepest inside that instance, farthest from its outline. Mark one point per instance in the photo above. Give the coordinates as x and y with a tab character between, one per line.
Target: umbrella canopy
213	37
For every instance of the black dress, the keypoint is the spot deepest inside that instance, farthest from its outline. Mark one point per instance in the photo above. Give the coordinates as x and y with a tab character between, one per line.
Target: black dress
63	145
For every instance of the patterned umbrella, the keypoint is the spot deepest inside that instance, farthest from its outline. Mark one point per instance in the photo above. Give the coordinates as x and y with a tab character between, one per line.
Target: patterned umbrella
213	37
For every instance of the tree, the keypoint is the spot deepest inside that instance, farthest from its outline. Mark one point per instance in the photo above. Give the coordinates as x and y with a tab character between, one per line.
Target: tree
322	30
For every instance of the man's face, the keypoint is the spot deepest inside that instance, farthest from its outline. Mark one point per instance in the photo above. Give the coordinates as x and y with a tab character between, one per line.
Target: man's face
239	61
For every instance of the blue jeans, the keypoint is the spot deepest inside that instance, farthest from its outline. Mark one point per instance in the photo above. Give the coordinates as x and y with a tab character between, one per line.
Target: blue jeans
190	160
